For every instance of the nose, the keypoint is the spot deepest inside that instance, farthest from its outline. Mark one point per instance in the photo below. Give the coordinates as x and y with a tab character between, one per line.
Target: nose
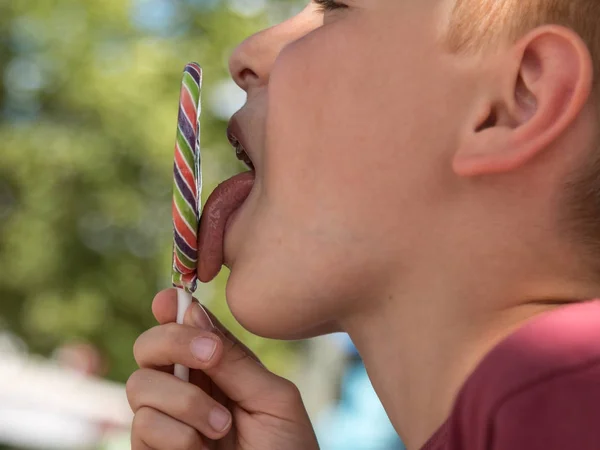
252	61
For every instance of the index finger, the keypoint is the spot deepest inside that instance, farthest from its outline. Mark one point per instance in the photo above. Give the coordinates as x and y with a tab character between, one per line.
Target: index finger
164	306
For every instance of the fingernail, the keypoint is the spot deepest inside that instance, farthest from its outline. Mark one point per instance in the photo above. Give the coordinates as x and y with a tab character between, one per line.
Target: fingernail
219	419
201	318
203	348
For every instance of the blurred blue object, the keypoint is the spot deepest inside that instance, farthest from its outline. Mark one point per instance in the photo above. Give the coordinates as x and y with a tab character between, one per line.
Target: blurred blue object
358	421
345	344
153	15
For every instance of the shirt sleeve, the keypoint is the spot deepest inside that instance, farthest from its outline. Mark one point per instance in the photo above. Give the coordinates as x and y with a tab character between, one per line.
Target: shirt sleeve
559	412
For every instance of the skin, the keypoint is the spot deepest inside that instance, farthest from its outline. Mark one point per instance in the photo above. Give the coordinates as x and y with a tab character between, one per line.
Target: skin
171	414
403	194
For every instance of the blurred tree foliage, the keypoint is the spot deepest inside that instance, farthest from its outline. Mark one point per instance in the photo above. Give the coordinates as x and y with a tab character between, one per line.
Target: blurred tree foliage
88	111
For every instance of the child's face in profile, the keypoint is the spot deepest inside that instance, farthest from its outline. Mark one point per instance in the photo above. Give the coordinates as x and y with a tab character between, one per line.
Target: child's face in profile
351	118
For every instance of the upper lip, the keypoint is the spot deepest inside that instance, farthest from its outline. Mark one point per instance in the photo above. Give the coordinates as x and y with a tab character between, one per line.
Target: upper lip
235	136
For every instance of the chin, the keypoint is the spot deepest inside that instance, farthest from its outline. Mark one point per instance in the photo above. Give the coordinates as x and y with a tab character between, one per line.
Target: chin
274	310
257	310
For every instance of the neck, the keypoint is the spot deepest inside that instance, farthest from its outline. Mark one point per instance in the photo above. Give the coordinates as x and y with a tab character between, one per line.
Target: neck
419	348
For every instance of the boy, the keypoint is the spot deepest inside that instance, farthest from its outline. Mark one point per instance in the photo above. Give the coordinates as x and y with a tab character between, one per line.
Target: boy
426	179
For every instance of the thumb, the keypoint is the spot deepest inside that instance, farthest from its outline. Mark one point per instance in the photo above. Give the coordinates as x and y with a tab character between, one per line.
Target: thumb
241	376
196	316
199	316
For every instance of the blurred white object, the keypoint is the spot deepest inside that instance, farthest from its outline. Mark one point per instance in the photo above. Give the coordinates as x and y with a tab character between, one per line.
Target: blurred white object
31	428
45	406
9	343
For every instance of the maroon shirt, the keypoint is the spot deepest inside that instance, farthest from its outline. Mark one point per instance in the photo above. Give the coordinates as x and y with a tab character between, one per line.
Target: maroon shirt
539	389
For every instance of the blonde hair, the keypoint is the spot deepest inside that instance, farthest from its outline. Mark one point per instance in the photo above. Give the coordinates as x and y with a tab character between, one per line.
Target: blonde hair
478	23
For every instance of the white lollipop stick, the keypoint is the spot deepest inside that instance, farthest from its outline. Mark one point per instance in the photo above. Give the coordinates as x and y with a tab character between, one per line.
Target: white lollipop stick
184	301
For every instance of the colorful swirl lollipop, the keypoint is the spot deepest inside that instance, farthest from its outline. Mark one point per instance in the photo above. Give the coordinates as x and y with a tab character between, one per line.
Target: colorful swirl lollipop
187	187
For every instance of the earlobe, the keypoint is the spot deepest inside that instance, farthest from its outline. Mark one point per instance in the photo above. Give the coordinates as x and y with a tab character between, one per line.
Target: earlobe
539	100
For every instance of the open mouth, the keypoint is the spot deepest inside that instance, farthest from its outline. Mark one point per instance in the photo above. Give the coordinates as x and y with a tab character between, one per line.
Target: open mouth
220	212
240	151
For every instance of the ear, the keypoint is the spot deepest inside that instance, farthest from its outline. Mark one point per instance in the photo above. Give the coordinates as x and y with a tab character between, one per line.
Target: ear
544	84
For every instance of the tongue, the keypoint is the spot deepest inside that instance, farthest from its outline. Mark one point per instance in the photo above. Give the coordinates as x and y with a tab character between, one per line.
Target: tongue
221	204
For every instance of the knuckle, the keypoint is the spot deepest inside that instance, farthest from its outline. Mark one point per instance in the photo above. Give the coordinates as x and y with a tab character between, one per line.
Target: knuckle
188	439
157	340
230	344
235	351
144	425
143	422
133	387
188	404
130	390
238	357
140	346
172	330
290	391
137	349
235	345
173	334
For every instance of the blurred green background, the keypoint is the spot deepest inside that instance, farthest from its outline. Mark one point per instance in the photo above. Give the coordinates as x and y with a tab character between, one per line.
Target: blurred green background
88	108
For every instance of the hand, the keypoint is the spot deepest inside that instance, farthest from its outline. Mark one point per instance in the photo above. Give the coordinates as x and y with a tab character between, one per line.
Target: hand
232	401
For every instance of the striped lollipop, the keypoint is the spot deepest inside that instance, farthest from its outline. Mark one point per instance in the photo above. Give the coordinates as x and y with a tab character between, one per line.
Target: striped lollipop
187	181
187	187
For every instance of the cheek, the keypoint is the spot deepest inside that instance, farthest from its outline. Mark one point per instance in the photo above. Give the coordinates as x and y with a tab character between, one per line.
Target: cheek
334	145
320	122
350	146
